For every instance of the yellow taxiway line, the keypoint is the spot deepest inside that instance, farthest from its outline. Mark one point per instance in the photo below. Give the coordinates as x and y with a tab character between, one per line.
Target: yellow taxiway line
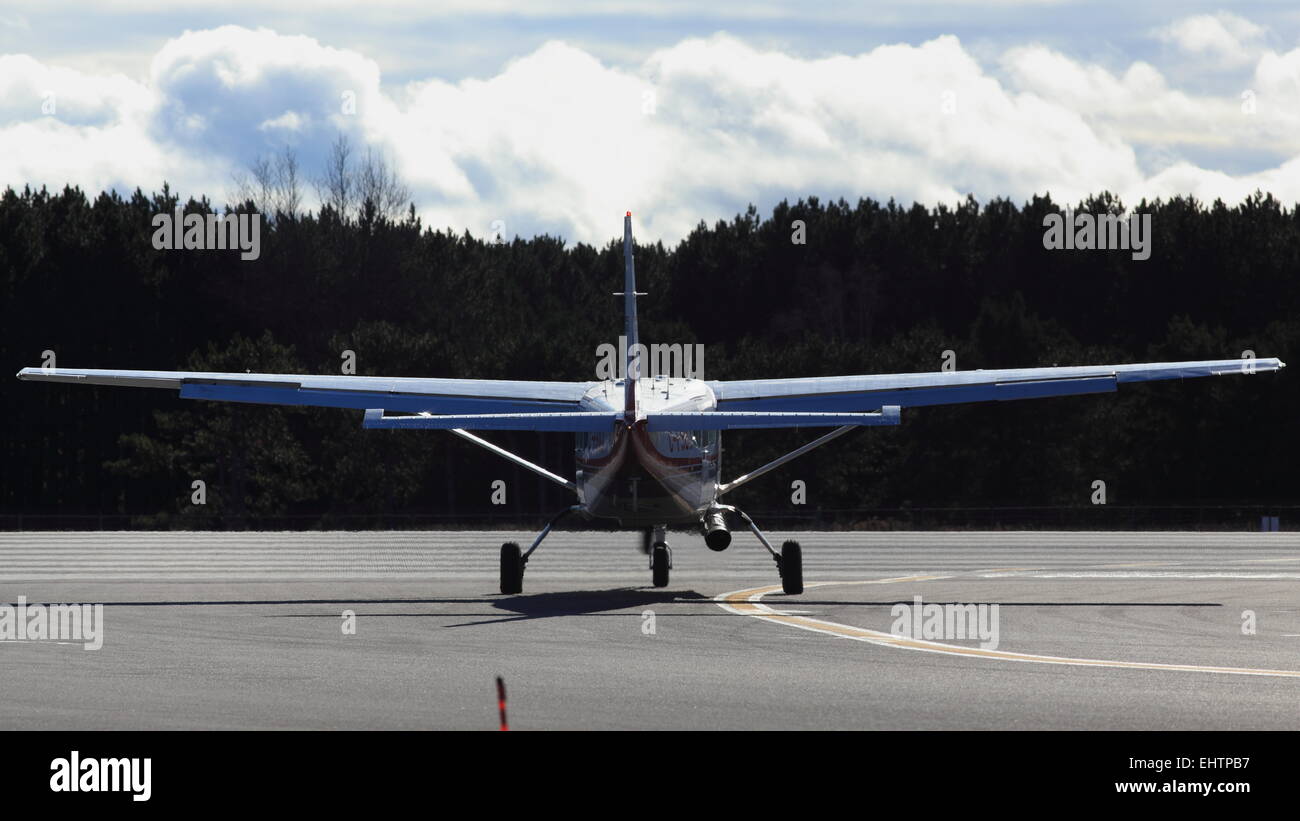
749	603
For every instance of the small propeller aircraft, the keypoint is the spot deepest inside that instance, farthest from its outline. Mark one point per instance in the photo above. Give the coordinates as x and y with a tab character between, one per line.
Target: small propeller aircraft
648	448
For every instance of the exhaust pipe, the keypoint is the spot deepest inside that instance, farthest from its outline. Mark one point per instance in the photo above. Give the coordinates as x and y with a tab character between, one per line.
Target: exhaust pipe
716	534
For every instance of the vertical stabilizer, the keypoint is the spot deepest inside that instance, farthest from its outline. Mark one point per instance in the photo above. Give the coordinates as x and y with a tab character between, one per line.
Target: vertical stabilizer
633	372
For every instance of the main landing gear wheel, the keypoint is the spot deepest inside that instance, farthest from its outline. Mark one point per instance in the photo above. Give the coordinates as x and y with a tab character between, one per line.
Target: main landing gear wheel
512	569
661	560
513	561
791	567
789	562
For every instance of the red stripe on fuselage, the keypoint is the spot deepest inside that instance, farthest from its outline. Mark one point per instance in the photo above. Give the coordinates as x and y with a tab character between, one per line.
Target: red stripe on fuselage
611	472
650	457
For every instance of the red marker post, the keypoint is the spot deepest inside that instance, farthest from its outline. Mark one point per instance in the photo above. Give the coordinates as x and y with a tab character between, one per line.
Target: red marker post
501	702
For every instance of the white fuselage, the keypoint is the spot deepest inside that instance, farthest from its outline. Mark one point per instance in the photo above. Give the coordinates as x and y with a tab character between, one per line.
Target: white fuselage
644	478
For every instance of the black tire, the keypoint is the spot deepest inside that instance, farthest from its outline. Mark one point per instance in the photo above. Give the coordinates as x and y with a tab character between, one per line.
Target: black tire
512	569
659	565
792	568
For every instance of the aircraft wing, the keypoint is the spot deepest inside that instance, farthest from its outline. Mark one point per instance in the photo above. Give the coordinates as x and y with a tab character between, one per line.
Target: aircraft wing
410	395
830	394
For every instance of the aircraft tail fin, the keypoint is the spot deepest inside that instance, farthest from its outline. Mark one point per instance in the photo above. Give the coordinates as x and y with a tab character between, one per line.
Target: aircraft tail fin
629	287
633	372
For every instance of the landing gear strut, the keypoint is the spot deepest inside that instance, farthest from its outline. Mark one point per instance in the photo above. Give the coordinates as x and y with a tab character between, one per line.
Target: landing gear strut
789	562
661	557
513	561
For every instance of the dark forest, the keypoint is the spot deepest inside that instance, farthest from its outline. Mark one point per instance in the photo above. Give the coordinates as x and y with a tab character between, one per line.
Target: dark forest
876	287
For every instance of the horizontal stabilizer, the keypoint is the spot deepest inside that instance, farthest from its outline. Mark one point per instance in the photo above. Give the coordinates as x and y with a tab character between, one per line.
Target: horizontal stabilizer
733	420
574	422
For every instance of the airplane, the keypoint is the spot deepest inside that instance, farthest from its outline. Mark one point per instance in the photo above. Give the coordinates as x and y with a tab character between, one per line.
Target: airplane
648	447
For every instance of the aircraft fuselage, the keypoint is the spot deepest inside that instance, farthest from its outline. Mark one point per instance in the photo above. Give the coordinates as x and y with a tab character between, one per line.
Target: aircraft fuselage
643	478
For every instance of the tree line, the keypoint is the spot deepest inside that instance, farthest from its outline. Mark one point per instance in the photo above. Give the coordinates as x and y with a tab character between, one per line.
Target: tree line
873	287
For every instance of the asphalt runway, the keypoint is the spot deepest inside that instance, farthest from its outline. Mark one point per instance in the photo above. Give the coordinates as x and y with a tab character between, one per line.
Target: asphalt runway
244	630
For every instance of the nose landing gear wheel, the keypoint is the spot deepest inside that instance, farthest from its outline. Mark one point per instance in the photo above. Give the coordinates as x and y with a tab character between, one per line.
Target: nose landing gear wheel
512	569
661	559
791	567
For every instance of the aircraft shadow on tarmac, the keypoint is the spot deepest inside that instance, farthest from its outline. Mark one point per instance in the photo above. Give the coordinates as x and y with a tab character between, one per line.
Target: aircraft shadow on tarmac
618	602
610	602
600	602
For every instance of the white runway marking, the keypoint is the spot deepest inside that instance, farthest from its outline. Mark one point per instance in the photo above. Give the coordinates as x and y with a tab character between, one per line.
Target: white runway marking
1147	575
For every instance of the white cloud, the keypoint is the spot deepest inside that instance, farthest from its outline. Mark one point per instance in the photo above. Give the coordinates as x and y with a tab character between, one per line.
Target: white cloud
29	89
1226	38
558	141
61	126
217	89
1137	106
288	121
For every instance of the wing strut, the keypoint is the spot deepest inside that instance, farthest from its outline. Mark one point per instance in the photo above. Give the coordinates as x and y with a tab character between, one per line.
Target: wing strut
776	463
376	418
889	412
518	460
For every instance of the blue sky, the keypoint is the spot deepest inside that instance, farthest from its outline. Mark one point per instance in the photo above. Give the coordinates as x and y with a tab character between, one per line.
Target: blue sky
556	116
